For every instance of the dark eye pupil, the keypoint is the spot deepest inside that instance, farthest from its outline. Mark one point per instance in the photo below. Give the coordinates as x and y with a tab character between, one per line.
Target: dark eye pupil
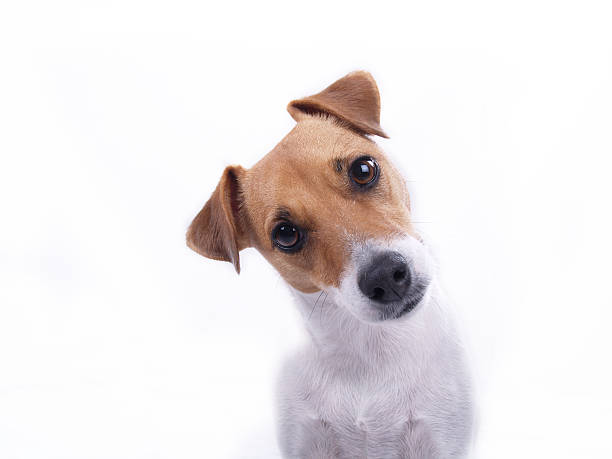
363	171
287	235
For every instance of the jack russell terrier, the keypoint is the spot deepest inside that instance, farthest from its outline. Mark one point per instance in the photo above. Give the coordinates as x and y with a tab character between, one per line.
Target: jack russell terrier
384	375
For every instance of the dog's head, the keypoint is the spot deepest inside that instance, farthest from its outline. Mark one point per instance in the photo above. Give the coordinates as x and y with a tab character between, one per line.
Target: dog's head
325	207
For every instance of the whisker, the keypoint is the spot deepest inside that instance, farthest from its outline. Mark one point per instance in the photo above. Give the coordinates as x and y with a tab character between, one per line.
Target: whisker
315	305
322	305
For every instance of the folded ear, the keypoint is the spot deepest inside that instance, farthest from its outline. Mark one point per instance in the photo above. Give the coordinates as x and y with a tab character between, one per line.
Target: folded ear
218	231
353	99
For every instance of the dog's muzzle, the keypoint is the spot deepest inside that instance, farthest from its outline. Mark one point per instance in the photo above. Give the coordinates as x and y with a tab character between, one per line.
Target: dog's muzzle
391	284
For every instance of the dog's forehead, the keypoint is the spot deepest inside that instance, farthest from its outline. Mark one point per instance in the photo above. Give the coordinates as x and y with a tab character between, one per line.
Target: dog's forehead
309	150
301	170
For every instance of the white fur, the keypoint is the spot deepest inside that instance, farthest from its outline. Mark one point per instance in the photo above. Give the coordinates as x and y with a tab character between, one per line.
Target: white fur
377	389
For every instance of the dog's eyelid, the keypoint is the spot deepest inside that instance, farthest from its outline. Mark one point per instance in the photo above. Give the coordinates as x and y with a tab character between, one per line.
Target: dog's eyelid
362	156
341	163
282	214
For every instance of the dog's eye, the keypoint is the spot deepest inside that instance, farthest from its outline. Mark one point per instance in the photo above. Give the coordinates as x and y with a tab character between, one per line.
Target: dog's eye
287	236
364	171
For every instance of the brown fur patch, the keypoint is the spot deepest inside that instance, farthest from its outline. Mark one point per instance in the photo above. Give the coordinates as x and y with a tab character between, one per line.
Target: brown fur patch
305	180
353	99
301	176
218	230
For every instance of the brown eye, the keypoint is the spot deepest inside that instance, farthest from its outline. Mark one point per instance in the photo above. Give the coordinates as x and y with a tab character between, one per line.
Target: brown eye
364	171
287	236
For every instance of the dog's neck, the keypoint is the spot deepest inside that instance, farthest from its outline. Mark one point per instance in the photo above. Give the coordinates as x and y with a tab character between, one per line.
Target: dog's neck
339	337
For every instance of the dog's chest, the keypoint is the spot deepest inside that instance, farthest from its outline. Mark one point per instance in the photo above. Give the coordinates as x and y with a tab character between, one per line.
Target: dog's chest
367	411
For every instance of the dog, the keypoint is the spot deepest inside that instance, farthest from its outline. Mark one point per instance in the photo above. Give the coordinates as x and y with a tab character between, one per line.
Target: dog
384	374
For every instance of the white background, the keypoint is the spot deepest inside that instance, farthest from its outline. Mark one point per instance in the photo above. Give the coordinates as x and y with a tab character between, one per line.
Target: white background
116	121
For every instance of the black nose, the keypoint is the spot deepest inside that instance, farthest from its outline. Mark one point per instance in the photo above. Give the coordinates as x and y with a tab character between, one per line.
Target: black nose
386	279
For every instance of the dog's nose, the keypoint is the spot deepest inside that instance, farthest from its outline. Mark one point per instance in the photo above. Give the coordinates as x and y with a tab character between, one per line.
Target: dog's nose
386	278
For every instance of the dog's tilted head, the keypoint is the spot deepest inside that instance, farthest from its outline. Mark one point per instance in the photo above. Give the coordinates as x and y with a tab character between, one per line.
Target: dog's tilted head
325	207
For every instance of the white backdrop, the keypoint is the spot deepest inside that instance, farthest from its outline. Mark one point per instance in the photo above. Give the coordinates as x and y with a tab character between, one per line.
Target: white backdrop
116	121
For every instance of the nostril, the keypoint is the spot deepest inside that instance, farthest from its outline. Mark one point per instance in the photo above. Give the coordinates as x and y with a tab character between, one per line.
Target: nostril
399	275
378	293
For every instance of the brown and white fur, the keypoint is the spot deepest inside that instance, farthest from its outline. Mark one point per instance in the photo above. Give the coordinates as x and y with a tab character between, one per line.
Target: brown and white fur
377	380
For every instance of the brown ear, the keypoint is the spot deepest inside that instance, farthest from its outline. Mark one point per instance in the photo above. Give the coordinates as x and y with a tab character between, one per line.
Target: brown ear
218	231
353	99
